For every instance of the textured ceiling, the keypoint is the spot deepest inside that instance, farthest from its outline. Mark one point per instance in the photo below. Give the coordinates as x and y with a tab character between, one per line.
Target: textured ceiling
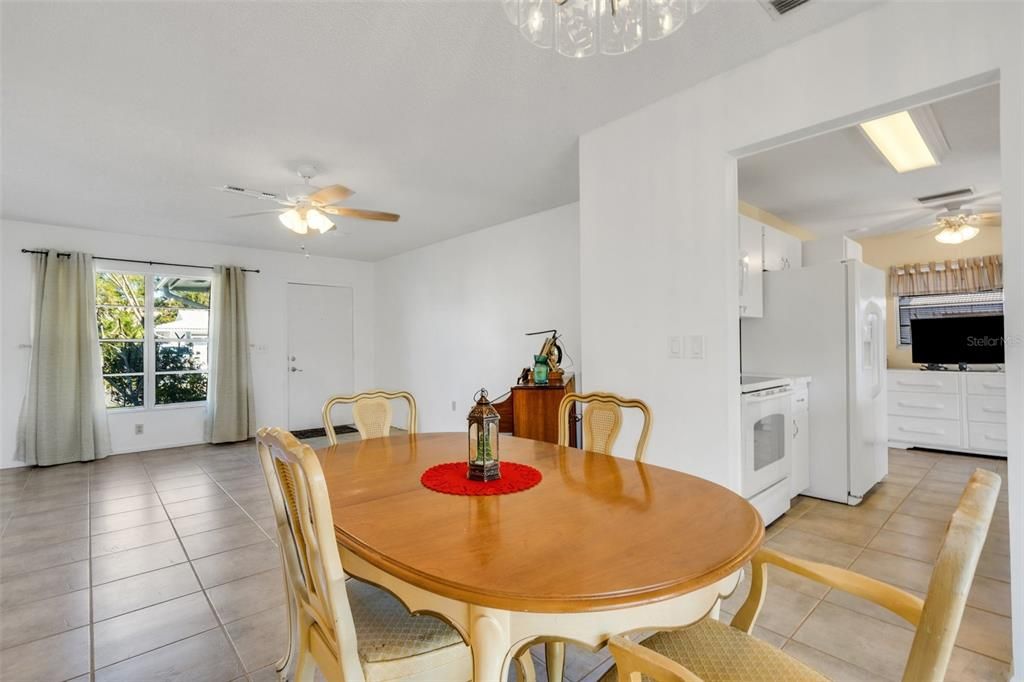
121	116
837	183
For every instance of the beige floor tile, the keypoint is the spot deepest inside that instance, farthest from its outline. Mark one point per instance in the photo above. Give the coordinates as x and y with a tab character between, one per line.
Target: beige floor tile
223	539
967	666
59	657
131	562
211	520
863	641
998	543
914	525
128	519
581	662
784	609
895	570
124	504
121	491
994	565
139	591
218	569
835	529
814	547
867	608
27	523
45	557
959	477
260	639
882	502
781	577
912	546
31	504
925	510
244	597
985	633
150	628
43	537
990	595
49	582
198	506
831	667
130	538
39	619
842	512
195	492
165	484
208	657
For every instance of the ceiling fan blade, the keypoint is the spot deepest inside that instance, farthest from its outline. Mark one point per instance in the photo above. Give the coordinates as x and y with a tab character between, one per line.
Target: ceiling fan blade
249	215
360	213
254	194
329	195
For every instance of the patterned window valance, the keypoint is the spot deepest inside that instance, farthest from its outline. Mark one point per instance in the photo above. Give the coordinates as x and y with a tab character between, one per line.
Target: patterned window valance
964	275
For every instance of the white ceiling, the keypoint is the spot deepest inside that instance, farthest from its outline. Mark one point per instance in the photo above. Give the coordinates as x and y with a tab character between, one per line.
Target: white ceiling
837	183
121	116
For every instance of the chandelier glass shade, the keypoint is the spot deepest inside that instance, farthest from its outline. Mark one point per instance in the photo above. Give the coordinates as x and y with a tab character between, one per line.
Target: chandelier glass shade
581	28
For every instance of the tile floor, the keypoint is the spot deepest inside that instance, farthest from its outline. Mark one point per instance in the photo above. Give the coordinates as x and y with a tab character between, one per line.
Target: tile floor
162	565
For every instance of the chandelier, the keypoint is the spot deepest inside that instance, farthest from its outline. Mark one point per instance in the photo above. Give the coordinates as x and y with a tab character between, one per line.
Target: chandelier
956	229
581	28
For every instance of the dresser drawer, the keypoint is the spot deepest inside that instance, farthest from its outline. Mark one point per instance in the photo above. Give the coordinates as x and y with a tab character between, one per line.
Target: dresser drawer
982	408
987	436
924	382
929	405
993	383
924	431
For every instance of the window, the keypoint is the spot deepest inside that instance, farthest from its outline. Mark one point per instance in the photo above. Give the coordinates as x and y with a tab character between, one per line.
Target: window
945	305
154	336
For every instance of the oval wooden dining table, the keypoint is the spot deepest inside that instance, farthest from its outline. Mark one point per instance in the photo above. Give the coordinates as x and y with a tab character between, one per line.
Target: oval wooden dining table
600	546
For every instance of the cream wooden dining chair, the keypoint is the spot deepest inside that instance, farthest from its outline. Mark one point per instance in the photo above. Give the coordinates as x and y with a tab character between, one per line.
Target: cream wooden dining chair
371	411
602	421
712	650
348	629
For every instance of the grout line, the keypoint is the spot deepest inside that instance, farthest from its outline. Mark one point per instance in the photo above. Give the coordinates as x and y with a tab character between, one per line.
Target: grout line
92	633
202	589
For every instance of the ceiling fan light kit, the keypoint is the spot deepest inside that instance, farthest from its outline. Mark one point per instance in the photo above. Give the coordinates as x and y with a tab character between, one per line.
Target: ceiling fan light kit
307	205
582	28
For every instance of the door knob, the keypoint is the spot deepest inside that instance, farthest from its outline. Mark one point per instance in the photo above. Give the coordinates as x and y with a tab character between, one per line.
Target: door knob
294	369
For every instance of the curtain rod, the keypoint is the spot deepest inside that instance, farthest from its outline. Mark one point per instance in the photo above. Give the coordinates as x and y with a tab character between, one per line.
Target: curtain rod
144	262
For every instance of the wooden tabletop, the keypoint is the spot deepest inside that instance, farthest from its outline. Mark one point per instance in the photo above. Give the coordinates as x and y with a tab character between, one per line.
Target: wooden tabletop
598	532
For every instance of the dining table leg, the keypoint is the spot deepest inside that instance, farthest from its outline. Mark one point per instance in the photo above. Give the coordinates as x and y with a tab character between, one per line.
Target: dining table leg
554	660
489	640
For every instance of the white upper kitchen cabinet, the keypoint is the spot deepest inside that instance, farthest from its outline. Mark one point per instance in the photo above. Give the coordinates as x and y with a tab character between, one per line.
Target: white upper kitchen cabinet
751	263
782	251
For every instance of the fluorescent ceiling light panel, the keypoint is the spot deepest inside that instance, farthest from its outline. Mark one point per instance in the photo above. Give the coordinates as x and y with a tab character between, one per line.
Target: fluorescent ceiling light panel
898	139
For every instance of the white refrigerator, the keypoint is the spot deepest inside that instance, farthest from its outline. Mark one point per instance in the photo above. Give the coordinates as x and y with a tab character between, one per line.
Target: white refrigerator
828	322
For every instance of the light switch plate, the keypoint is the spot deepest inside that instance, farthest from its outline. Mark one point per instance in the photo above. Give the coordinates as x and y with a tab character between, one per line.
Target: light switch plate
675	347
695	347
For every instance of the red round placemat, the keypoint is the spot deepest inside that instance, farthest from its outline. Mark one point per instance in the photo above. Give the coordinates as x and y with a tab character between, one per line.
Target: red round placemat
450	478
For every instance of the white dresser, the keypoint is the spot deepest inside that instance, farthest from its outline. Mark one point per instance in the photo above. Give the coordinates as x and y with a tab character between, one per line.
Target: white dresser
960	411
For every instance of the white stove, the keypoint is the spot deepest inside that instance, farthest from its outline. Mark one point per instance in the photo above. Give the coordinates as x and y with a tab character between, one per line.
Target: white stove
766	417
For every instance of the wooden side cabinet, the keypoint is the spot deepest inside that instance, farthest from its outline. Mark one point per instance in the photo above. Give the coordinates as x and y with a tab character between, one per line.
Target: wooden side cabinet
532	411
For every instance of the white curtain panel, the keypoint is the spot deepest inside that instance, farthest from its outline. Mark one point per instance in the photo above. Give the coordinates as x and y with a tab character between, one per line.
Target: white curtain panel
229	395
63	418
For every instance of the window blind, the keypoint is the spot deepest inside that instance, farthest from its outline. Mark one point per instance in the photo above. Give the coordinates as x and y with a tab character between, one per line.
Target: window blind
945	305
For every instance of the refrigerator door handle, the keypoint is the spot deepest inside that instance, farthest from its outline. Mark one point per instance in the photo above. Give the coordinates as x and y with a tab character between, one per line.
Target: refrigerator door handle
874	356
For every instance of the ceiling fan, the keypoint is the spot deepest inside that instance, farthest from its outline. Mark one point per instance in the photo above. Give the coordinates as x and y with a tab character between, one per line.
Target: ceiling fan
307	207
951	220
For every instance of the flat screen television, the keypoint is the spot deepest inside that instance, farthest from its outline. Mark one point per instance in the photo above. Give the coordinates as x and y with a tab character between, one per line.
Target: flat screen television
969	339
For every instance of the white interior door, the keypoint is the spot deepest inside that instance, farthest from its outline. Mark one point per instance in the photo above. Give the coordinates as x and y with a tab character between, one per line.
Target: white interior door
321	361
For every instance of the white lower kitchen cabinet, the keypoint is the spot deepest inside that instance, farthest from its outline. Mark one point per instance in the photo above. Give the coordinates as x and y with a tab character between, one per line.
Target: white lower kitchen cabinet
958	411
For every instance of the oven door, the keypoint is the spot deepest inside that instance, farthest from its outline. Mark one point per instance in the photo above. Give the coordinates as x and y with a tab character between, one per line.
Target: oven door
766	441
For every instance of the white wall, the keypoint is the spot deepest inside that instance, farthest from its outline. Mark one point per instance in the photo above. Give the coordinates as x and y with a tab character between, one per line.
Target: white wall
451	316
658	212
267	323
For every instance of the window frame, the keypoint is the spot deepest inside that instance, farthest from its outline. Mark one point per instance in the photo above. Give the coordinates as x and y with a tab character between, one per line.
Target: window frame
899	305
149	372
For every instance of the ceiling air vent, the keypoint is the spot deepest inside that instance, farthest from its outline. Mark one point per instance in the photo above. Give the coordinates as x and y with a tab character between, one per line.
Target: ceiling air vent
776	8
946	196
